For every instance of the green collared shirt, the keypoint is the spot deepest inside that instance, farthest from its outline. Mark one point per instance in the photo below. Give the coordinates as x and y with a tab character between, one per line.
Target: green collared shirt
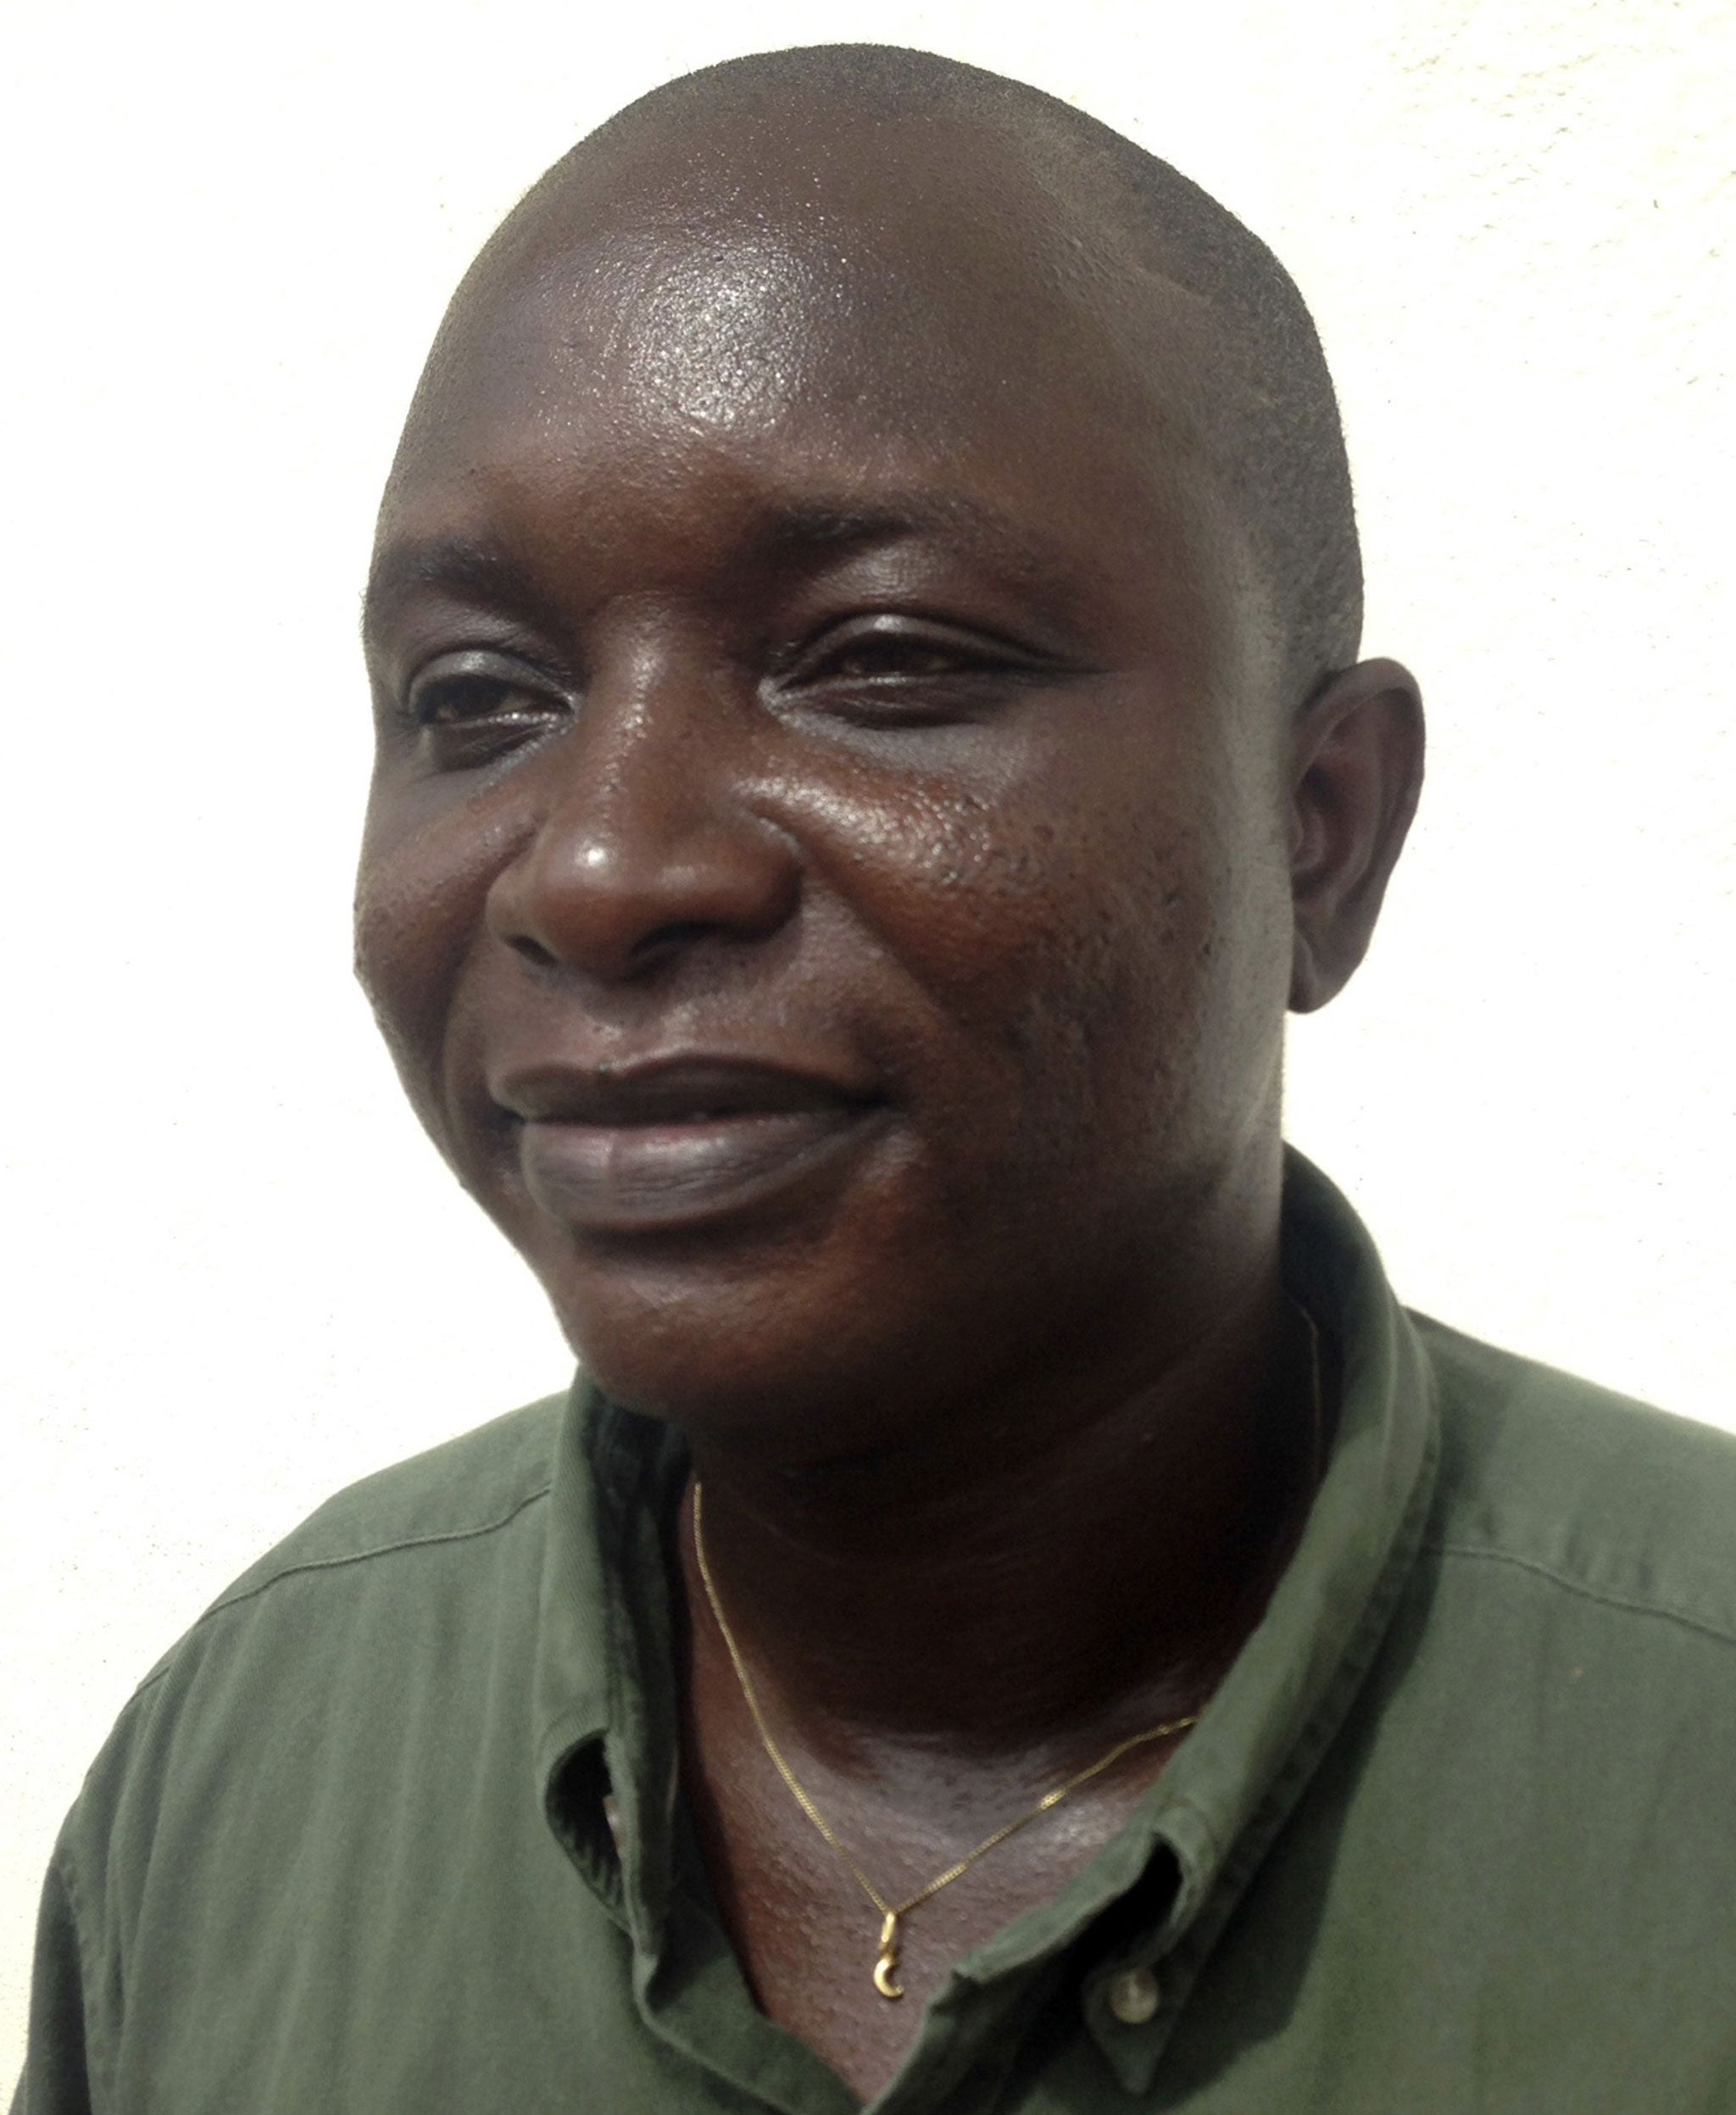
396	1826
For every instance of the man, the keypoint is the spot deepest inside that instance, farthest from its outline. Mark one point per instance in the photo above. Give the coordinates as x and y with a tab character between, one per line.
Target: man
871	741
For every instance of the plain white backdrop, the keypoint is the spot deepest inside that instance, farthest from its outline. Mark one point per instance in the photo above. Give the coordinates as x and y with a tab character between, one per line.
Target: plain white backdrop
236	1276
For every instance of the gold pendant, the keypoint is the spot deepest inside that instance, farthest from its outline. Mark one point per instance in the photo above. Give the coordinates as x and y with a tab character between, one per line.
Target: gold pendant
887	1968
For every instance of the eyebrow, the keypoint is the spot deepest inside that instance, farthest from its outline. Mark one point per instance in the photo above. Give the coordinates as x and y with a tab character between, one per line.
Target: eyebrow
478	569
468	566
823	525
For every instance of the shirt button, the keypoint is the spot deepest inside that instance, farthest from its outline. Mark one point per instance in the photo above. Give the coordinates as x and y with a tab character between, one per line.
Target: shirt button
1134	1996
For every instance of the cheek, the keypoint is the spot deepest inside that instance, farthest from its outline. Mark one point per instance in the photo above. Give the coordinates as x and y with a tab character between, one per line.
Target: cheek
1101	931
421	885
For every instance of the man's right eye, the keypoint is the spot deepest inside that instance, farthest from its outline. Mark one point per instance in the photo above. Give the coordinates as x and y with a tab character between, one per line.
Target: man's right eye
471	708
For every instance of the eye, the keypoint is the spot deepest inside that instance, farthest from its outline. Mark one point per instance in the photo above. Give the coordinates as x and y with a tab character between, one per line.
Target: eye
467	709
893	668
881	654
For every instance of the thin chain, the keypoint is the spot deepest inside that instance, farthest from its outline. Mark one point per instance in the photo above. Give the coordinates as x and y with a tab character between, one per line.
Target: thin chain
892	1913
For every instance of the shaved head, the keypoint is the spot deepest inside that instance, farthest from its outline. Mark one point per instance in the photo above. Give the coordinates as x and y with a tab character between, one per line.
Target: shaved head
860	192
866	595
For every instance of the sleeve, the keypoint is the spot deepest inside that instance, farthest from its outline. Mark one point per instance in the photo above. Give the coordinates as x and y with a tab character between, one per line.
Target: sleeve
56	2080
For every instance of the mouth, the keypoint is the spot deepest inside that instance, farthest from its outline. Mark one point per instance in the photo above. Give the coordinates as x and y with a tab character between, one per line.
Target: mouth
673	1144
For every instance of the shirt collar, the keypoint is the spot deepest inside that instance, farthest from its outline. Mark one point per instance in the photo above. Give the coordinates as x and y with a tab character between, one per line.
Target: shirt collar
606	1701
1230	1786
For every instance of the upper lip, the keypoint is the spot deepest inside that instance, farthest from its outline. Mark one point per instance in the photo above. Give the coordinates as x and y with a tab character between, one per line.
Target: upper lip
677	1088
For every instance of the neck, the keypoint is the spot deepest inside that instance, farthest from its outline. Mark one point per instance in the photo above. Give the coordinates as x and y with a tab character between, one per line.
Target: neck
1029	1577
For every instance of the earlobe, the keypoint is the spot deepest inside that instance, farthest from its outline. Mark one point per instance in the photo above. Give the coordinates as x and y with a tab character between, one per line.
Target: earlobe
1356	772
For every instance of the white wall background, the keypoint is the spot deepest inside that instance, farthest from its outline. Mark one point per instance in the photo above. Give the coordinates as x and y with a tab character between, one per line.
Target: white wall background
236	1277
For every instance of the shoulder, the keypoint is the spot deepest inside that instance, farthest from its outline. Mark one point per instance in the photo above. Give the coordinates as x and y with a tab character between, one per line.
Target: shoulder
447	1506
400	1594
1583	1489
352	1683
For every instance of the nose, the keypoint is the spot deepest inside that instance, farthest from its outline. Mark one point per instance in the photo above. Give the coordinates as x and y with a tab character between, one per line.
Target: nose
647	843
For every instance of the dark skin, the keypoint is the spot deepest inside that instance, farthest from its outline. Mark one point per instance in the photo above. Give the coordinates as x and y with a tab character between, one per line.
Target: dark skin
836	867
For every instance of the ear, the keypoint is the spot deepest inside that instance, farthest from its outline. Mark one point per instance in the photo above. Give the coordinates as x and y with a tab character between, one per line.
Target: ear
1356	769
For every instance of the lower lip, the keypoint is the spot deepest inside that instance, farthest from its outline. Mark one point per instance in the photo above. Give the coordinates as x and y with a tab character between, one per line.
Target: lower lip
649	1178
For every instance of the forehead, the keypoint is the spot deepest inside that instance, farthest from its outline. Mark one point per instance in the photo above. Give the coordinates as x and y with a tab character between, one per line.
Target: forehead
753	341
730	264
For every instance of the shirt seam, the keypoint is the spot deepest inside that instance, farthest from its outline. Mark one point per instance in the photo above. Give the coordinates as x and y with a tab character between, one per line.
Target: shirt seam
339	1563
99	2054
1631	1604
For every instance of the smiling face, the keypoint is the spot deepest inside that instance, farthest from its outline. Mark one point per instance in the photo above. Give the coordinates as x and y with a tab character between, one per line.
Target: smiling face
826	881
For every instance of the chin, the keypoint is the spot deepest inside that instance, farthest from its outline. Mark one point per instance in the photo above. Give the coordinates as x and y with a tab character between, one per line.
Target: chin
793	1349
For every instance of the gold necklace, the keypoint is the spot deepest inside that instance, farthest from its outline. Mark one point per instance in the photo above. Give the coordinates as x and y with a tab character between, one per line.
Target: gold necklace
892	1914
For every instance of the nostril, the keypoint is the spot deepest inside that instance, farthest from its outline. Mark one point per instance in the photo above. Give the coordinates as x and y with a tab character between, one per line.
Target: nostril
671	939
626	903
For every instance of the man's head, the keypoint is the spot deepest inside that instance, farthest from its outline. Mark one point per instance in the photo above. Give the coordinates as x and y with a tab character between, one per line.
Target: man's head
819	178
860	630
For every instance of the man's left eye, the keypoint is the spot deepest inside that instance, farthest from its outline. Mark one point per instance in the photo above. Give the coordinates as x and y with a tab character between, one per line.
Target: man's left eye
896	667
880	653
